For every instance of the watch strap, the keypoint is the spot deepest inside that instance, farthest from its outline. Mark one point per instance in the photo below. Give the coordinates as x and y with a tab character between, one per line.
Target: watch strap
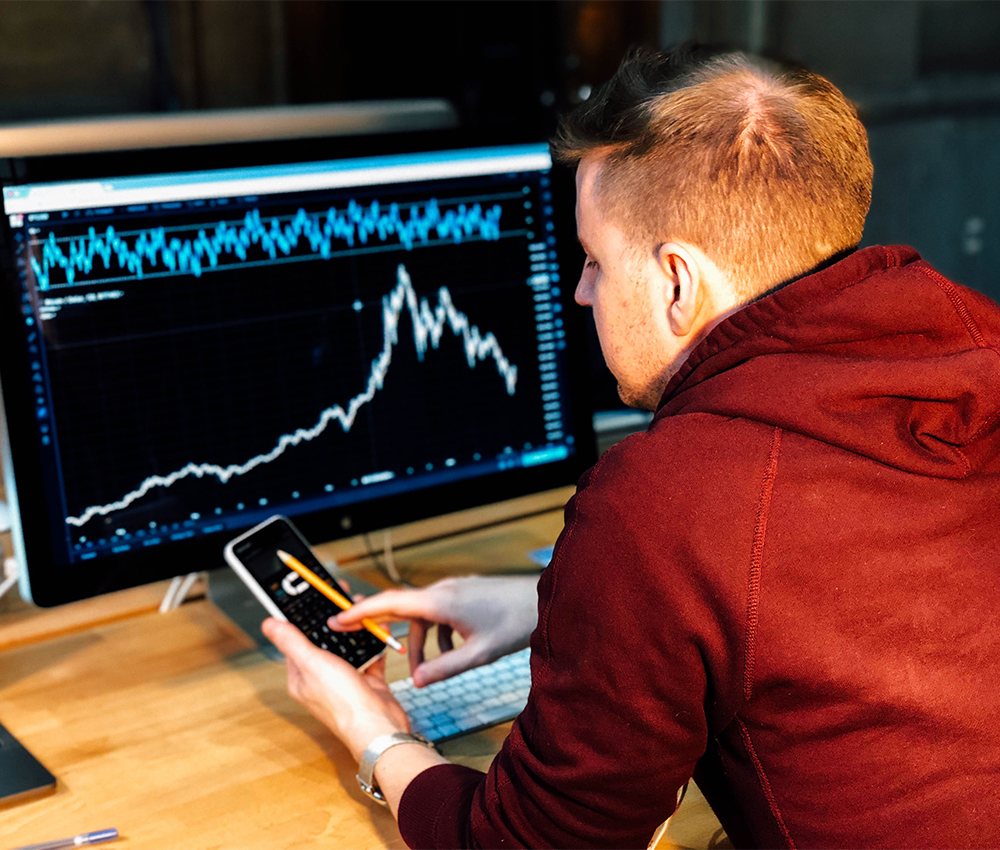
366	769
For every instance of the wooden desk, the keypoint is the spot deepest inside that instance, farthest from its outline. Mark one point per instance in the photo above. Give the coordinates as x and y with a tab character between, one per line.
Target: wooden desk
176	731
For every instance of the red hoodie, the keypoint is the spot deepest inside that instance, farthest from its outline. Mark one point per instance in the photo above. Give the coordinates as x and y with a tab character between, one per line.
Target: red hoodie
788	583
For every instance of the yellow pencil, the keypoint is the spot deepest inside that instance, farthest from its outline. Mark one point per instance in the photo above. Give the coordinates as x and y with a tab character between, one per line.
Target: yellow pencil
336	597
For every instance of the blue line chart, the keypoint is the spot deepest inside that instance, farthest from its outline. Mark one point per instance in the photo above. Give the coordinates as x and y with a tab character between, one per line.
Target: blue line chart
429	324
155	248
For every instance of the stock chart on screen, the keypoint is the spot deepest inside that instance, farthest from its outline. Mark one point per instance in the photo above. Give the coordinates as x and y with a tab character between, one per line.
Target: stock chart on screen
209	348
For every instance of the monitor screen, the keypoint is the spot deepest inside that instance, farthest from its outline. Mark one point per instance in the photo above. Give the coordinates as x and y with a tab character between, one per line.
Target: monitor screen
194	340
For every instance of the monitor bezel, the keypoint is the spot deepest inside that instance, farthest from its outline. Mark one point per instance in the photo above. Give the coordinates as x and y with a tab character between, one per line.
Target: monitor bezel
48	584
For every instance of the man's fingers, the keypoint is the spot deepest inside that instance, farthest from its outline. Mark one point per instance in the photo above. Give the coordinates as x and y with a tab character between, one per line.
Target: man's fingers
388	605
445	643
444	666
288	639
294	645
415	642
377	669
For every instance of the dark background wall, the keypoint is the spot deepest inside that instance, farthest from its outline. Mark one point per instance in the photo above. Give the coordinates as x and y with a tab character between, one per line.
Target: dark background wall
925	73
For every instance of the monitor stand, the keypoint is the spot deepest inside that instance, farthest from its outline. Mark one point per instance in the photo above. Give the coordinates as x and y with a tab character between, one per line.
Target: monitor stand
231	596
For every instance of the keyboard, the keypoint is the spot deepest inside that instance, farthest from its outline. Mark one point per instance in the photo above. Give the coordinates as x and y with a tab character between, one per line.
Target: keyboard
475	699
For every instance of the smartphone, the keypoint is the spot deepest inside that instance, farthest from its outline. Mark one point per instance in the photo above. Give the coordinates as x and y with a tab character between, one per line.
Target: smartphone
287	596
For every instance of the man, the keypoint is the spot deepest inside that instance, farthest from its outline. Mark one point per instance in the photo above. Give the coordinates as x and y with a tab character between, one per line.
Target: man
787	586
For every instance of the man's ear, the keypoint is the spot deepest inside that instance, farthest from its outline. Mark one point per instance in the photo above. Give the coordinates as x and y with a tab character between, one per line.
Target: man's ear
681	277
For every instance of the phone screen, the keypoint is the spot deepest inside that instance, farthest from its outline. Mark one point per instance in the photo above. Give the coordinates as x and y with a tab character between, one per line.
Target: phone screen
259	554
303	605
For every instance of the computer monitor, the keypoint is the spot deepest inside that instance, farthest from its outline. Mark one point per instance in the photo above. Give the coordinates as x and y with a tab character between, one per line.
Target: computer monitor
354	331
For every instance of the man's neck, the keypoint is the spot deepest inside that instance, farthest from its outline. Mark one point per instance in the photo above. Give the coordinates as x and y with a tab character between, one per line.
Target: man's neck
832	260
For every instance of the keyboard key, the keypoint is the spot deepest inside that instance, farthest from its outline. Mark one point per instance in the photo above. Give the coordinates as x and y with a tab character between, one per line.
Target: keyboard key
497	713
472	700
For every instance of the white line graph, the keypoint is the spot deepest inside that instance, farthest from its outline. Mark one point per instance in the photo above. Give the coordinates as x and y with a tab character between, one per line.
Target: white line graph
428	327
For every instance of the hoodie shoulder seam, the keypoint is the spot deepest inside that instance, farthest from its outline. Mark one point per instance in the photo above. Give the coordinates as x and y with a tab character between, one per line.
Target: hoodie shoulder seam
958	305
756	563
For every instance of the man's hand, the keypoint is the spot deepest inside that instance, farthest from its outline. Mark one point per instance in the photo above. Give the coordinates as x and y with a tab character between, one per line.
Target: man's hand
357	707
494	616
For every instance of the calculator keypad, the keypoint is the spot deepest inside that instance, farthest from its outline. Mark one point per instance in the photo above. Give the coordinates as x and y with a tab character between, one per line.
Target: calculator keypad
310	610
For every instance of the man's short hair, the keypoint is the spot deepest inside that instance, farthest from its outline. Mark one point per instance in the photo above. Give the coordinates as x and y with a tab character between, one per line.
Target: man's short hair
765	169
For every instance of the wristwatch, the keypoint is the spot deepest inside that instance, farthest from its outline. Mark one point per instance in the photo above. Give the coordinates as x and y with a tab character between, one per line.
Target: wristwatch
366	770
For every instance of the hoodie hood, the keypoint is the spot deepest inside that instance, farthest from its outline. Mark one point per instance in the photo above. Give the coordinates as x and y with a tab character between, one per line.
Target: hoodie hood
877	354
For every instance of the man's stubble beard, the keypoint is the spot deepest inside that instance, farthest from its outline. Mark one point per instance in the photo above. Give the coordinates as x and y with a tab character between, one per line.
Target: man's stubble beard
648	398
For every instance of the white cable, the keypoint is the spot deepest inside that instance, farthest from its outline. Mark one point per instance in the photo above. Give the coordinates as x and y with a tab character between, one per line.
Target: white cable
7	584
390	563
185	588
10	573
168	598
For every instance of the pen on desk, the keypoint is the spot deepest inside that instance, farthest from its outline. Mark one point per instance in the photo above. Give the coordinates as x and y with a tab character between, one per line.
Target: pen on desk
81	840
336	597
